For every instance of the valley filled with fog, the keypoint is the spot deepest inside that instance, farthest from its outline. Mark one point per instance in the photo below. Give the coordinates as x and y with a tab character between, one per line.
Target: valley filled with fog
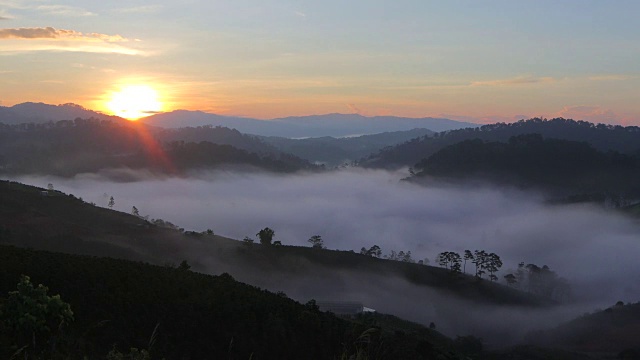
592	247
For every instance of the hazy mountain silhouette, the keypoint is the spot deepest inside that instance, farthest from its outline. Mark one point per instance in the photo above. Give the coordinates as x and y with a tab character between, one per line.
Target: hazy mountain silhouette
333	151
30	112
336	125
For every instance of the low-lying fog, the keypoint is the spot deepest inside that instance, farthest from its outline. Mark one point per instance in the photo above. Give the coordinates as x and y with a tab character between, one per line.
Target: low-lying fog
597	250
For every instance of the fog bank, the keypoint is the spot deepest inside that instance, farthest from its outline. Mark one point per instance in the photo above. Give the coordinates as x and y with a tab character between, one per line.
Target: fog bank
596	250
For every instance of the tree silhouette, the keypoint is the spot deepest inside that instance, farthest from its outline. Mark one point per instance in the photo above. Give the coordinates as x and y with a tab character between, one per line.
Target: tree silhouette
374	251
511	279
111	202
316	242
467	256
266	236
134	211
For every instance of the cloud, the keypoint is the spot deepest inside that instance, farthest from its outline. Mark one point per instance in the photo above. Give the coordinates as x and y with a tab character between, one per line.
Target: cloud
356	208
12	40
61	34
145	9
520	80
354	109
63	10
484	119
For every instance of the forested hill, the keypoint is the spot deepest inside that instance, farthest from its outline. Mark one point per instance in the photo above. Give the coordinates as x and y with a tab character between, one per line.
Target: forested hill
66	148
602	137
571	167
614	329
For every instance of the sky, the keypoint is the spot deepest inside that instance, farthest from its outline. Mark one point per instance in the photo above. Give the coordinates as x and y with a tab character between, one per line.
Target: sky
479	61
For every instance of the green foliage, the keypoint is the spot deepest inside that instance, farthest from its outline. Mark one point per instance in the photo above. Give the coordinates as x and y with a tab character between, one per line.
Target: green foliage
32	320
120	302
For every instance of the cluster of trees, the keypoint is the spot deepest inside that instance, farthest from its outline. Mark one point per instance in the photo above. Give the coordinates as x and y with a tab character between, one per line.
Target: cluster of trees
541	281
376	251
485	263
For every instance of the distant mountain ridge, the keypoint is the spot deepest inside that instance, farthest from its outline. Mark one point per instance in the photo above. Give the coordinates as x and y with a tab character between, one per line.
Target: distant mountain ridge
335	125
31	112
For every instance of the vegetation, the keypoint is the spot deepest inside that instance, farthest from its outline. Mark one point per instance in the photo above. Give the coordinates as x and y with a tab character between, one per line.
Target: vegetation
561	166
66	148
133	310
602	137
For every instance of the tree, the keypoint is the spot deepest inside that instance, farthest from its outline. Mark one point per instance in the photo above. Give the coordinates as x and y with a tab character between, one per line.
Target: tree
374	251
247	241
50	187
34	320
511	279
134	211
316	242
480	260
450	260
493	264
266	236
111	202
467	256
184	266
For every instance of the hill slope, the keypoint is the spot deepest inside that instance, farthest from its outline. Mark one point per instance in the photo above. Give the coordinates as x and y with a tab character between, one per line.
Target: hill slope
428	294
567	167
625	140
118	304
66	148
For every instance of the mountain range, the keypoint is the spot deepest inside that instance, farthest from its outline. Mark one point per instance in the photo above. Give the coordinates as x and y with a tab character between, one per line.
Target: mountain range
336	125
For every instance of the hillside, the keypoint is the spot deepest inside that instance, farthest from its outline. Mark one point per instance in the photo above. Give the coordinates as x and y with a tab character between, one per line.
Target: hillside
425	294
190	307
560	166
602	137
66	148
614	329
337	151
119	304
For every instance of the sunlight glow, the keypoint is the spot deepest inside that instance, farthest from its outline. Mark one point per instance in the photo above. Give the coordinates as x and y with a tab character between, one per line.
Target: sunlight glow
134	102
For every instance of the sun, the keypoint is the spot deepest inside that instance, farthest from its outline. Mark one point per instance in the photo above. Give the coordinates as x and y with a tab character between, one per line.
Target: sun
134	102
